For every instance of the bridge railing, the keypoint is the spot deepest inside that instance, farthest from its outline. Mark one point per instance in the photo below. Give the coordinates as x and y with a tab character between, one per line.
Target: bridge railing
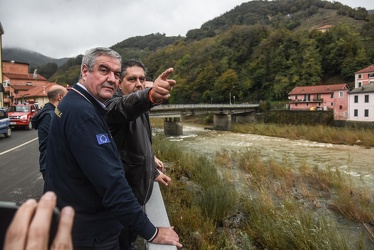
196	106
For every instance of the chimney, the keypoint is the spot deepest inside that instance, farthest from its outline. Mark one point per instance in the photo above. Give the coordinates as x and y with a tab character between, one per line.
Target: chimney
35	76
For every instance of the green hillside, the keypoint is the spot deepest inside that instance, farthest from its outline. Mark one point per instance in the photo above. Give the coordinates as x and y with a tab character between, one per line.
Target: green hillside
259	50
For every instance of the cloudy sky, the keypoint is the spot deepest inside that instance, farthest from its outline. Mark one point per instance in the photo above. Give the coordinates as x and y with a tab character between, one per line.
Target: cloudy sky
67	28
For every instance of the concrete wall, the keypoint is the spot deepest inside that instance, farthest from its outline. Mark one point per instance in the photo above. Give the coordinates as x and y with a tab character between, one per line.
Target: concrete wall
156	211
222	121
173	126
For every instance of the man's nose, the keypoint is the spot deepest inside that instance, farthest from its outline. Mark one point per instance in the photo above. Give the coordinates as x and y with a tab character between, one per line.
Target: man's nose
138	84
112	77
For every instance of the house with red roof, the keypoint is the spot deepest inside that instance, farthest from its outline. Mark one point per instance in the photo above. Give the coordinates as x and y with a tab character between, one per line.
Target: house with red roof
364	76
321	97
20	86
361	98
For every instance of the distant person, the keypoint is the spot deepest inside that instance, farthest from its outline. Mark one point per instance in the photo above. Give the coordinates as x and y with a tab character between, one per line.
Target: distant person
42	120
30	226
148	82
84	167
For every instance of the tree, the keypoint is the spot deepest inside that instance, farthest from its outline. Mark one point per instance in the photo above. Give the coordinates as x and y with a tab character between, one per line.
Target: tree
47	70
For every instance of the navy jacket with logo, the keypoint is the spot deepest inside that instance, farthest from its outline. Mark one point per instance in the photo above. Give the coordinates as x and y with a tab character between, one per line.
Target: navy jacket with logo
85	171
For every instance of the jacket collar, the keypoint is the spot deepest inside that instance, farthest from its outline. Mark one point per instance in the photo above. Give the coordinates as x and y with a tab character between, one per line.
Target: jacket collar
86	95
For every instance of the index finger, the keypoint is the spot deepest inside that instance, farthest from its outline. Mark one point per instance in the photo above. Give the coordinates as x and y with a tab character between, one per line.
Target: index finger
164	76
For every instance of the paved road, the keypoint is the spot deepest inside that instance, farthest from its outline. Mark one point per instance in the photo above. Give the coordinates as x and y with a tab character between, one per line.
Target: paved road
20	178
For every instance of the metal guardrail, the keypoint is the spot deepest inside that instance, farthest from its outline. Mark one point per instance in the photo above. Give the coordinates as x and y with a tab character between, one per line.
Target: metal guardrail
156	211
204	106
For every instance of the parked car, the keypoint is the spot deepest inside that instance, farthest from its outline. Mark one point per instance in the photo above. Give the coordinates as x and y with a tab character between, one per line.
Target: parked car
5	123
20	115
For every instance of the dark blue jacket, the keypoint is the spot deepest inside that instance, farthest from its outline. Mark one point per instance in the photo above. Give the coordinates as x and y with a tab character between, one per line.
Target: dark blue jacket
41	122
85	170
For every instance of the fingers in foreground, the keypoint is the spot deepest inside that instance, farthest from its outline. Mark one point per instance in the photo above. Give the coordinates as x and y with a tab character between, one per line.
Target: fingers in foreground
16	235
63	239
39	229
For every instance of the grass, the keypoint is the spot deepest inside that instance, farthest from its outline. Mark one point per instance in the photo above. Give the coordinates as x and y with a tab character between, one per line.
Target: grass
326	134
268	205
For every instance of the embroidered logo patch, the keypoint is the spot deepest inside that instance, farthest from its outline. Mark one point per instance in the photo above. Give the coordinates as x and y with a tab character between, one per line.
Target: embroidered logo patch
102	139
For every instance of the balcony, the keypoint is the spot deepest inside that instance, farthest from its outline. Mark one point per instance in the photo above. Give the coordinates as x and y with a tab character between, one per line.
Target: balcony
316	100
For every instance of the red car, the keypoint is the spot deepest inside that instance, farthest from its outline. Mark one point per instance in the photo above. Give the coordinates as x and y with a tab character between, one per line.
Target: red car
20	115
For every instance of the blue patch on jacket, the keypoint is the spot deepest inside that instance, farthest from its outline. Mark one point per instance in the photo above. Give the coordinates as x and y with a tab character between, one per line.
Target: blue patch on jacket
102	139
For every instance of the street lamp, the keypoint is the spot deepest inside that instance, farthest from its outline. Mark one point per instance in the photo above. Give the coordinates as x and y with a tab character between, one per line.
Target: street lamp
234	100
230	98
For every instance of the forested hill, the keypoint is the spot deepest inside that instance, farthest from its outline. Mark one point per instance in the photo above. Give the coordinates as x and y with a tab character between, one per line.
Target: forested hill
258	50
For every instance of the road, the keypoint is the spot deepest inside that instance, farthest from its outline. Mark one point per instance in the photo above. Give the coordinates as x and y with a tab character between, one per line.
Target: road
20	178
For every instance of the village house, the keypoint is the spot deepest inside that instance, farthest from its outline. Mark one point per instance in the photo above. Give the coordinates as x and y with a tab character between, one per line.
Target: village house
325	28
321	97
1	67
20	86
361	98
364	76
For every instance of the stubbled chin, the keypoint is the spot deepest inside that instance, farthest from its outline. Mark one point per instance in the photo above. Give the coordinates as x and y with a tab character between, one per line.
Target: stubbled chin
108	93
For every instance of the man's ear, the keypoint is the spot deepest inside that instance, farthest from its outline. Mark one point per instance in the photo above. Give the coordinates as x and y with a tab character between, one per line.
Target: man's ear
84	72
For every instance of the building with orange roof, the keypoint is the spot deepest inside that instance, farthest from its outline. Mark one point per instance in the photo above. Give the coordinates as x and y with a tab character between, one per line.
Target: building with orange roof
21	86
361	98
321	97
364	76
324	28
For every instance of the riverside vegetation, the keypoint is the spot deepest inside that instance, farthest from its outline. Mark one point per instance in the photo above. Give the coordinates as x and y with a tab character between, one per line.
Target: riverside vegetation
237	200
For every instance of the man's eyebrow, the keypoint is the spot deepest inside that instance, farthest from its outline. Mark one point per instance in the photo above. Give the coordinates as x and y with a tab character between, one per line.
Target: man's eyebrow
108	68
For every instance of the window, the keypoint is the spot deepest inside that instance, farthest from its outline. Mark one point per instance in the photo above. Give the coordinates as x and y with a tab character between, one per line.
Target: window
6	83
332	95
341	94
340	107
371	75
359	76
366	98
366	113
355	112
332	104
356	98
359	84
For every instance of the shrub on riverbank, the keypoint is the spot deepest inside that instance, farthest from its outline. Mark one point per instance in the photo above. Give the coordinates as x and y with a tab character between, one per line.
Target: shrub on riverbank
240	201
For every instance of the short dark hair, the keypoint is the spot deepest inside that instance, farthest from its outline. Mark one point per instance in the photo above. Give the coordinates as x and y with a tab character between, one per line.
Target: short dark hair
131	63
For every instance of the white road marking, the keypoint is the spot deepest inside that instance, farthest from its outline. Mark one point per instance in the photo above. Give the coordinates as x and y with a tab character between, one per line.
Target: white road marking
23	144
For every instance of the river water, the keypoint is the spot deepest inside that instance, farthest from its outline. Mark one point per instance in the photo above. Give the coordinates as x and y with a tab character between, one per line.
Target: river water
353	160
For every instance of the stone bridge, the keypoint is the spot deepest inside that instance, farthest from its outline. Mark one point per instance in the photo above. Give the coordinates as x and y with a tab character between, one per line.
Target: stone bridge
223	115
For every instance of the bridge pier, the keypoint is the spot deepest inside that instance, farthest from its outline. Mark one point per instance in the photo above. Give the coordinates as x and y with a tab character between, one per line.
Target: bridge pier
222	122
173	126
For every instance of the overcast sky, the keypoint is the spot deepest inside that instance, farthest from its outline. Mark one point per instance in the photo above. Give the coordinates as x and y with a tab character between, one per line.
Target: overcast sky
67	28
